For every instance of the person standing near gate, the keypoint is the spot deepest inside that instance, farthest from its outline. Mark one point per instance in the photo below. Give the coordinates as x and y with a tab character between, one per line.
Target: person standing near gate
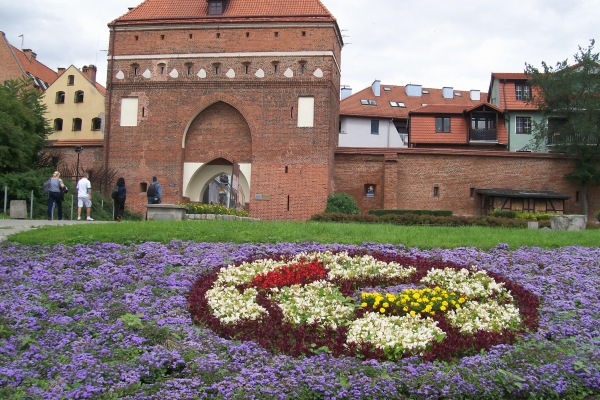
154	192
84	196
54	195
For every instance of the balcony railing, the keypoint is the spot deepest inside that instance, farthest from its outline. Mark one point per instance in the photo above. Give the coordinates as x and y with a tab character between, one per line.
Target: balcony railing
484	135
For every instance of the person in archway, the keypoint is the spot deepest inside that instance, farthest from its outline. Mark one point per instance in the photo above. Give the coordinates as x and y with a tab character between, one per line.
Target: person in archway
154	192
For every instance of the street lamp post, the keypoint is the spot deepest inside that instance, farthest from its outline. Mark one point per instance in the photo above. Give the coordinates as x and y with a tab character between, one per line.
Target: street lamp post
77	150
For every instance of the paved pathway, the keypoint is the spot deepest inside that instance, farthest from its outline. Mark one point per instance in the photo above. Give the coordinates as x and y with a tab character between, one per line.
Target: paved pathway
10	226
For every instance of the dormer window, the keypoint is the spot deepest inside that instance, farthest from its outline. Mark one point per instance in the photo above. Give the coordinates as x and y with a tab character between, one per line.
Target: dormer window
215	7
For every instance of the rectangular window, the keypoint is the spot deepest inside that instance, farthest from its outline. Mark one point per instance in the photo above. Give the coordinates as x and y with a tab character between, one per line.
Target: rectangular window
306	112
216	8
442	124
374	127
523	125
522	91
129	111
76	124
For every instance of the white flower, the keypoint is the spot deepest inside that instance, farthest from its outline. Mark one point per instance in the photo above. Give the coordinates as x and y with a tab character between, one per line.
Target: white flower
395	335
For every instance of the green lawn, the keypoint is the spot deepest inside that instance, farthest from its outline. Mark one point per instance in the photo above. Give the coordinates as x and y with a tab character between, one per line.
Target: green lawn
272	232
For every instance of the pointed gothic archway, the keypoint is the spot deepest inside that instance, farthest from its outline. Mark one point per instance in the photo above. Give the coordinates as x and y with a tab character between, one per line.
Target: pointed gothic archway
216	136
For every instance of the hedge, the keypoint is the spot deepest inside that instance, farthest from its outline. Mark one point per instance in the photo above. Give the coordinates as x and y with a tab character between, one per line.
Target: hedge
439	213
414	219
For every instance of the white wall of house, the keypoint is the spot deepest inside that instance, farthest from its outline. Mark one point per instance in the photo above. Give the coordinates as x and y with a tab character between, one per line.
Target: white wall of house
356	132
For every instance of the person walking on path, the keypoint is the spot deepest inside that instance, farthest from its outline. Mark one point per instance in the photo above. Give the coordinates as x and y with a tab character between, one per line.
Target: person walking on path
120	199
154	192
54	195
84	196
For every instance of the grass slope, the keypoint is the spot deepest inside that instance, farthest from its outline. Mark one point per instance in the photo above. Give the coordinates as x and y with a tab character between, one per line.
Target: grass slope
423	237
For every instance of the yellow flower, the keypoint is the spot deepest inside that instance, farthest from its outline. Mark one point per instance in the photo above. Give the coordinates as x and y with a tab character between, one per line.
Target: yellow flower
382	310
413	313
364	304
461	300
443	308
386	304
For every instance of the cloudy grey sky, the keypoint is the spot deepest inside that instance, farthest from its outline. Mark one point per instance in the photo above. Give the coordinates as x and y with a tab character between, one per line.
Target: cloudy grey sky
434	43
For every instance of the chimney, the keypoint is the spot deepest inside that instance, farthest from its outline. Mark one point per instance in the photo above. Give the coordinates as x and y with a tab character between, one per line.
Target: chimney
89	71
376	86
475	95
29	54
60	71
448	92
413	90
346	91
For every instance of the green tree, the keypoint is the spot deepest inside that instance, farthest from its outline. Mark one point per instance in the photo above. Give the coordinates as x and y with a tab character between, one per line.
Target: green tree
23	128
569	98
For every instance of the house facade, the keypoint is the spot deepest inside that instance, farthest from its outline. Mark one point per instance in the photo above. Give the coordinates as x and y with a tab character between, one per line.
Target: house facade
511	93
15	63
476	127
191	90
75	105
388	116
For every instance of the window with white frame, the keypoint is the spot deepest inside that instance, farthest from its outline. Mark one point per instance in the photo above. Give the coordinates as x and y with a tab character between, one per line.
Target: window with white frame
523	125
522	91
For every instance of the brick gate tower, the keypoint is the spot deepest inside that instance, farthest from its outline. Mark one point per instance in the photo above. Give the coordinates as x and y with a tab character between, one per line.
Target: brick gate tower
194	85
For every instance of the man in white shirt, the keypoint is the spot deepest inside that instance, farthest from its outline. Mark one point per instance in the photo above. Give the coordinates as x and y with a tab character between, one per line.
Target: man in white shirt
84	196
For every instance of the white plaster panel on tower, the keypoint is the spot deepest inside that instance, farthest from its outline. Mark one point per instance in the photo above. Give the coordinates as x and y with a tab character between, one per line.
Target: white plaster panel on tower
288	73
147	74
174	73
230	74
318	73
120	75
260	73
201	74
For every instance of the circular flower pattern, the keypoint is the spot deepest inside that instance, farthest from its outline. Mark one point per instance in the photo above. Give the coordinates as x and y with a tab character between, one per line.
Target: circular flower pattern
313	302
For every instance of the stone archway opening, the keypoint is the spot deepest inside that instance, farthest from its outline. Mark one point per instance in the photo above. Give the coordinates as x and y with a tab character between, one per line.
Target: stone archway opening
210	183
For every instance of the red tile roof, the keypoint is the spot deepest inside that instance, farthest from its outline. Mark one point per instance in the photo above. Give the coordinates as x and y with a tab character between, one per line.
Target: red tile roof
351	105
235	10
100	88
509	75
507	91
35	67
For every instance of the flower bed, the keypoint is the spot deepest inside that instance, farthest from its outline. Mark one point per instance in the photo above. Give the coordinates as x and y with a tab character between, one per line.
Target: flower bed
111	321
275	301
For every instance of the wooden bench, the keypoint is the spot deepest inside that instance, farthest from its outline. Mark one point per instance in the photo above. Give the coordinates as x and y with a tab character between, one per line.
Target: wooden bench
166	212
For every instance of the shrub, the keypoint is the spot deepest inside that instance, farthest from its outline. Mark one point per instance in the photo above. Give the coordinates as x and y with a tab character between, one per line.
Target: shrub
598	215
439	213
342	203
502	213
201	208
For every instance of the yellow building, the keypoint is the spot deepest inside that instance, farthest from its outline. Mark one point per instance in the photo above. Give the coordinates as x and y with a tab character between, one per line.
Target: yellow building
75	106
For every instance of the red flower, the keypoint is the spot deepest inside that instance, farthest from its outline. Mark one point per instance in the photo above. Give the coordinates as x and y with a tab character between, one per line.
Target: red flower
301	273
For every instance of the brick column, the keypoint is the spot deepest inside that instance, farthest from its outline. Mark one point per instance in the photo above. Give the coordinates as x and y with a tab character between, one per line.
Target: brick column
390	182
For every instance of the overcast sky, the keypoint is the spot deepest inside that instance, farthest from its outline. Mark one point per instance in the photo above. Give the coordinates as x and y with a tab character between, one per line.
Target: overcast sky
434	43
